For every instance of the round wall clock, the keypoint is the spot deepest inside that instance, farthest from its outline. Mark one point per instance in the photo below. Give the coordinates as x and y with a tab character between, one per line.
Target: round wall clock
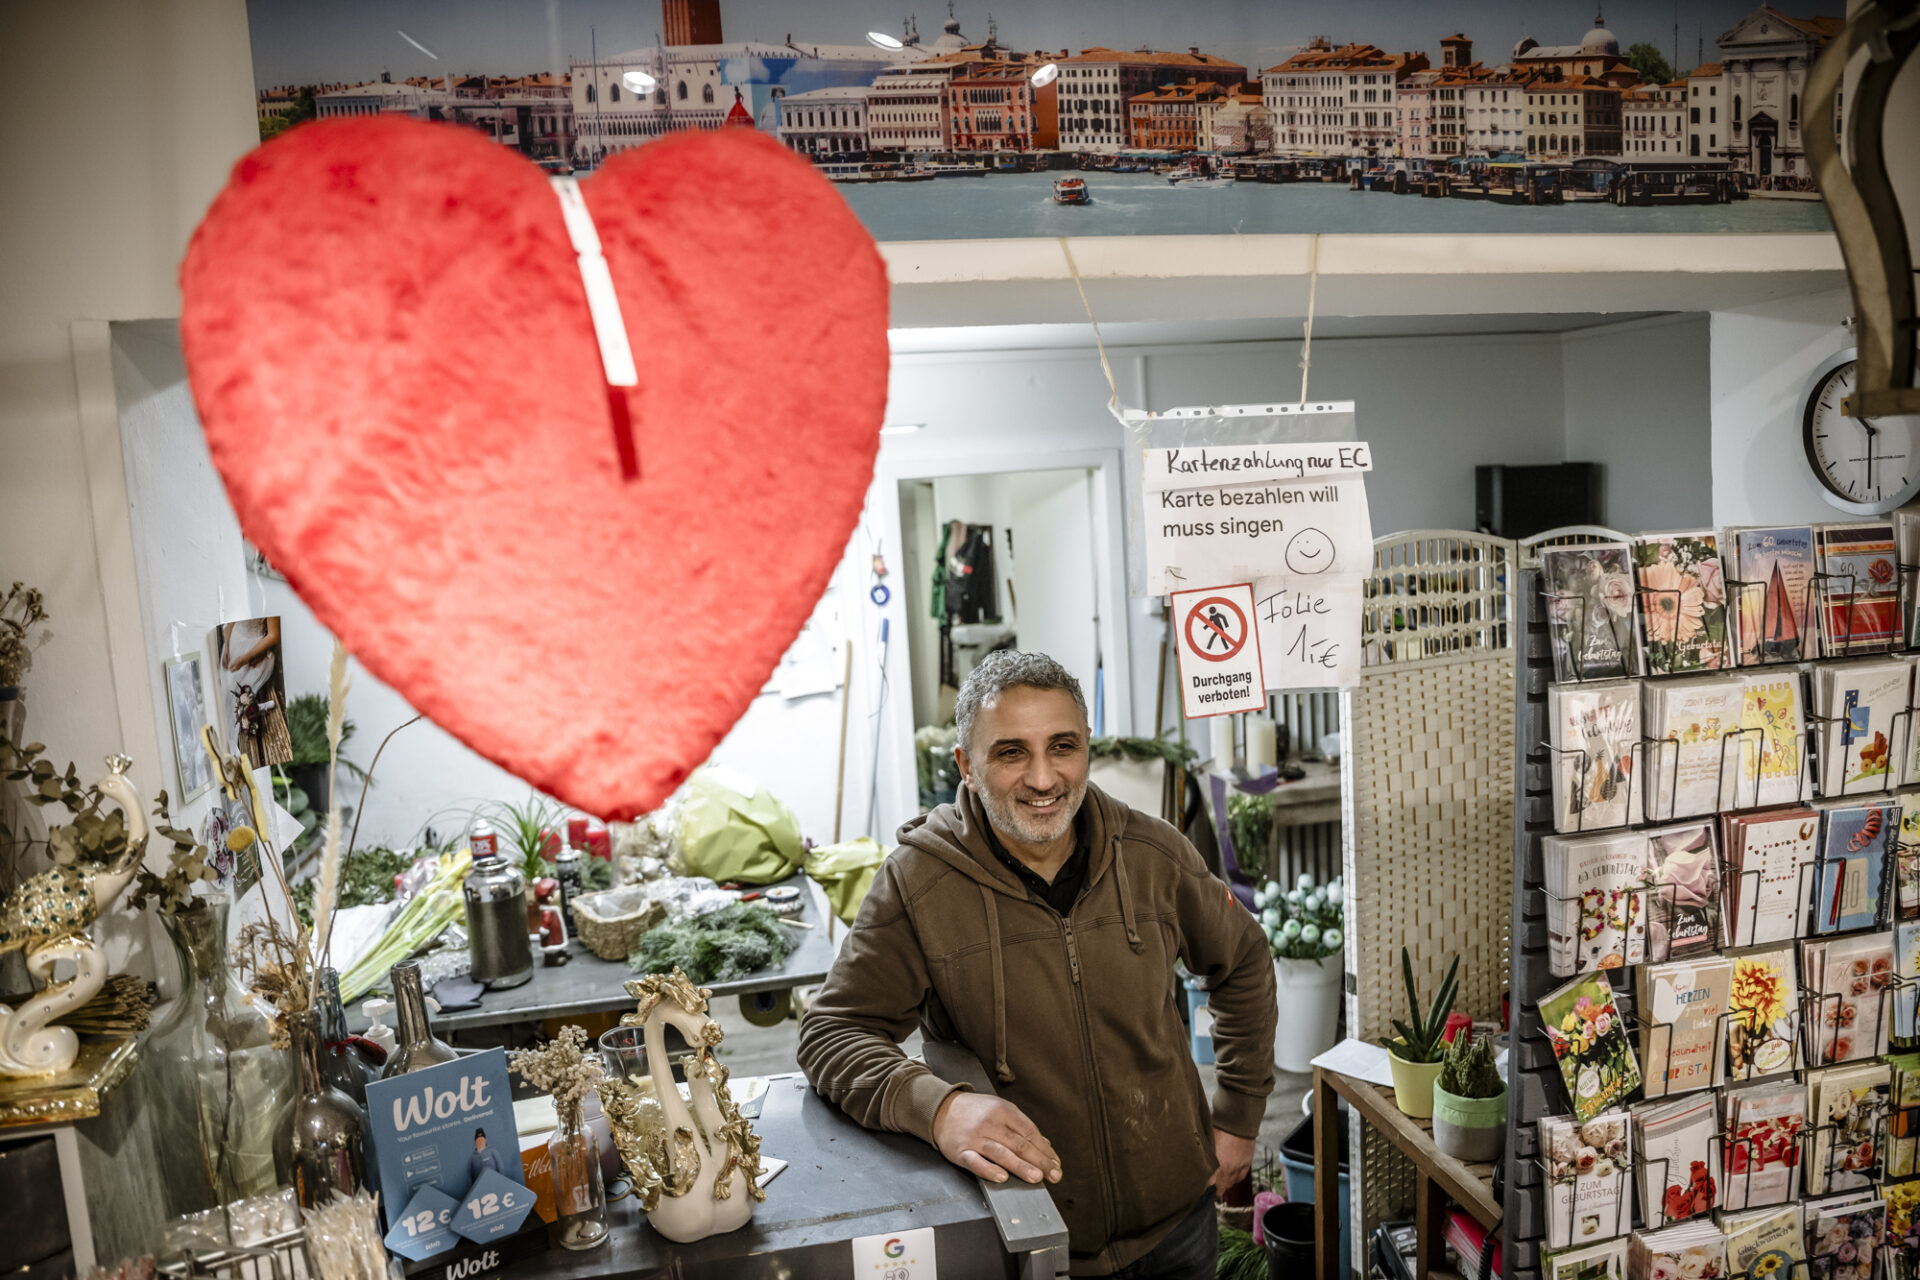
1864	465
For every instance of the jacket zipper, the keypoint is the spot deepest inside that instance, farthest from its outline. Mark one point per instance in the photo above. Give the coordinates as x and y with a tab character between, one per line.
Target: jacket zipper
1112	1205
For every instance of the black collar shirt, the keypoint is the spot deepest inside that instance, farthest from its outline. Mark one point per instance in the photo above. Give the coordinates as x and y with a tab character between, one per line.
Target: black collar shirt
1067	882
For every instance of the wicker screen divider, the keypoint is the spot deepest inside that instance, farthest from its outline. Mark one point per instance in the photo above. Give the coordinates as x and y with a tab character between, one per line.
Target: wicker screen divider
1428	803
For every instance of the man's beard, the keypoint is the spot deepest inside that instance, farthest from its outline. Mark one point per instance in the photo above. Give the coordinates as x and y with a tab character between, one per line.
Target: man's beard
1010	818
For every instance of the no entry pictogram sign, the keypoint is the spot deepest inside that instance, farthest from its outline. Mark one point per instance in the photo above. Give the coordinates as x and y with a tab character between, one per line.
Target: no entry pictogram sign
1220	670
1216	628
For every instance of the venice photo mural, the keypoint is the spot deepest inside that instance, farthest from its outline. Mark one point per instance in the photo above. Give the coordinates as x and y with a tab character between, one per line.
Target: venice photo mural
1117	117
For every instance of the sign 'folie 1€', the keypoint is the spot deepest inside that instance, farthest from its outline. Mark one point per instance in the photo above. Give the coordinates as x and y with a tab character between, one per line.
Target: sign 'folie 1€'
1245	512
1220	671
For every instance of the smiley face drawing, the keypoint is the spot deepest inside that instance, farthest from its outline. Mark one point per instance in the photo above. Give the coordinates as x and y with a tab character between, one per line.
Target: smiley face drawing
1309	551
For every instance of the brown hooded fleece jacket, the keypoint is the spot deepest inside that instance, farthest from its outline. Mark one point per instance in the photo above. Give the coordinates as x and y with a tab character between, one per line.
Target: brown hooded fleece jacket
1074	1017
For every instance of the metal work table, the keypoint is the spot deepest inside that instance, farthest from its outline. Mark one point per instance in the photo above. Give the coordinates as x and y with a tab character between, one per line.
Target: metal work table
586	984
841	1182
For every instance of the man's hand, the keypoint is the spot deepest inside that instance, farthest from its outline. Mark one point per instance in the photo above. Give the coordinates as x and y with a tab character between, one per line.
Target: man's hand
992	1138
1235	1155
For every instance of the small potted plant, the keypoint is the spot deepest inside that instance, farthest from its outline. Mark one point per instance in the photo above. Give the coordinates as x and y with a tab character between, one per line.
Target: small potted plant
1303	928
1414	1054
1470	1100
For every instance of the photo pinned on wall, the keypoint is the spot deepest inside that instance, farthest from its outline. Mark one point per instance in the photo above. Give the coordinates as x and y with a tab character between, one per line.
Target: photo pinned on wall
233	873
253	690
187	710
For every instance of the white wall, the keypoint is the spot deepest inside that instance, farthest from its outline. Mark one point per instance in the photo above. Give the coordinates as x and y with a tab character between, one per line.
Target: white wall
109	181
1761	360
1054	573
1635	398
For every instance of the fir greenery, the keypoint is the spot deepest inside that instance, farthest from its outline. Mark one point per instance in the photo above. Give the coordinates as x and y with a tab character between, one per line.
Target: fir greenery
718	946
1239	1258
1165	747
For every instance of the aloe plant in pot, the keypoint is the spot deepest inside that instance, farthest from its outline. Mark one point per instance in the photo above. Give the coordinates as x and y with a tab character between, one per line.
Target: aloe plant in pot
1470	1101
1415	1053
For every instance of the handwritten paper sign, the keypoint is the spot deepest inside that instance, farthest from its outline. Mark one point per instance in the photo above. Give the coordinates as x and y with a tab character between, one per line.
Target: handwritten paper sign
1209	465
1309	631
1219	651
1245	532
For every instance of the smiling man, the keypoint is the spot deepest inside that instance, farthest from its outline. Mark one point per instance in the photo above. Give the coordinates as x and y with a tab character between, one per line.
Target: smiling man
1036	920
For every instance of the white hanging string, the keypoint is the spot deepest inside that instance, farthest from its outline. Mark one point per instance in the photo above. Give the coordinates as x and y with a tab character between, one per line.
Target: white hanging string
1306	347
1113	388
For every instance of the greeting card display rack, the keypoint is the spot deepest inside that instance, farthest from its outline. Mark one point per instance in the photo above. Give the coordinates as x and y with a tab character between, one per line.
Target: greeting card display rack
1535	1088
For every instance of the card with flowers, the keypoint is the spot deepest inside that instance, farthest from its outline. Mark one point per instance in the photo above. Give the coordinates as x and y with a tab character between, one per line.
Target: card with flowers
1766	1244
1683	602
1590	1042
1843	1235
1596	914
1849	998
1678	1160
1589	595
1588	1197
1849	1112
1764	1130
1763	1014
1690	1251
1903	1224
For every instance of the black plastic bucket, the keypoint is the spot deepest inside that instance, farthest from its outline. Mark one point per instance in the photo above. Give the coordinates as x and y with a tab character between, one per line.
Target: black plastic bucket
1288	1229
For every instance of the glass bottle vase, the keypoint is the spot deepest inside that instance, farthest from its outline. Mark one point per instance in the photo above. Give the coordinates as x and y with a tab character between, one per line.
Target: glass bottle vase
579	1197
327	1139
218	1091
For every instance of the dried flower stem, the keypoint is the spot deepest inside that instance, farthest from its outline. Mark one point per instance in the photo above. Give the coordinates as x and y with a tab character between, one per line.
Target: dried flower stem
328	894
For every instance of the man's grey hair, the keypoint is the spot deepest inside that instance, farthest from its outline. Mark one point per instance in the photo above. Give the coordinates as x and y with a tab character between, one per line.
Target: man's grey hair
1009	669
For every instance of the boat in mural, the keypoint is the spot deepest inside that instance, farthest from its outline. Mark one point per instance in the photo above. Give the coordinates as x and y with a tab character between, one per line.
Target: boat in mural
1071	191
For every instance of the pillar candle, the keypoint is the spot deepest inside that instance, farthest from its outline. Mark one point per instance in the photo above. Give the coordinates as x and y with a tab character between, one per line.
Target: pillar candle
1263	743
1223	741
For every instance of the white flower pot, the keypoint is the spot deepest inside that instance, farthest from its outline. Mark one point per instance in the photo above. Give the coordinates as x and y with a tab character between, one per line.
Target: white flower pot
1308	992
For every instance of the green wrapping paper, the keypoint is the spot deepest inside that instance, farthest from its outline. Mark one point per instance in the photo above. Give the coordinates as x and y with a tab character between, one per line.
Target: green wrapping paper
845	871
728	833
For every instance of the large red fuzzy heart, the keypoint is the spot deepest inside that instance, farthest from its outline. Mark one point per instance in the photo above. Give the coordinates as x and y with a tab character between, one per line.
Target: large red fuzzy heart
389	344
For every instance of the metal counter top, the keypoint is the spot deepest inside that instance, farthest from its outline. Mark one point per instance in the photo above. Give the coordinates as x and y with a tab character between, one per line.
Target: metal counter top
587	984
841	1182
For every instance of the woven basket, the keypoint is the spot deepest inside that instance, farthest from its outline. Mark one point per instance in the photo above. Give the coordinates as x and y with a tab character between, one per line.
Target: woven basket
610	922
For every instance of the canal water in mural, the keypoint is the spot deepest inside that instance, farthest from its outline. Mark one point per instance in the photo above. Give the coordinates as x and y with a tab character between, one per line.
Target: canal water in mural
1022	204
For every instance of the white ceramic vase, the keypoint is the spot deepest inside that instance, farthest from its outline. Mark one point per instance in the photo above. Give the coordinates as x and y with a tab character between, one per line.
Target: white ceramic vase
1308	992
